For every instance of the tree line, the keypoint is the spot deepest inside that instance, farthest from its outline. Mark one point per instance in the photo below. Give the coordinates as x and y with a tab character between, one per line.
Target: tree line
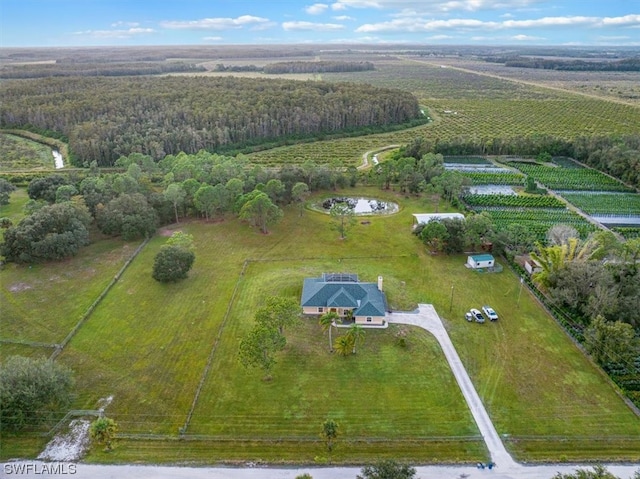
47	70
623	65
324	66
105	118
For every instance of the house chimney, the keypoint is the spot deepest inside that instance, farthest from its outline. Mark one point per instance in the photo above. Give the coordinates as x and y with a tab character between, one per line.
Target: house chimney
380	283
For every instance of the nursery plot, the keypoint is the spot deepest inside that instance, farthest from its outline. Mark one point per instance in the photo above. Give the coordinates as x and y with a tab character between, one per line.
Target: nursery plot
501	178
581	179
539	220
514	201
605	203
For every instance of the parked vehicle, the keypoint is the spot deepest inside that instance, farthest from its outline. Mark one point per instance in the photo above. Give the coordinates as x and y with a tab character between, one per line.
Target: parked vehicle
490	313
477	315
468	316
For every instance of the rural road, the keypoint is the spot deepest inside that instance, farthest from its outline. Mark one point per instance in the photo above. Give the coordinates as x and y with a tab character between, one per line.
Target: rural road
90	471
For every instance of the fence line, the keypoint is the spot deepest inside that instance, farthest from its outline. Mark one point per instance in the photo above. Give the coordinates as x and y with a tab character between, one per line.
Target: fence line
93	306
214	347
72	413
34	344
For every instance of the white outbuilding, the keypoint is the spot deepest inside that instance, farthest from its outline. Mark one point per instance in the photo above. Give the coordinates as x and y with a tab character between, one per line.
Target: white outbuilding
477	261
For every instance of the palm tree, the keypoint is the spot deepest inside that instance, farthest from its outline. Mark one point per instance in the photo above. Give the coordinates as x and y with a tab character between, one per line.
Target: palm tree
355	335
343	345
327	321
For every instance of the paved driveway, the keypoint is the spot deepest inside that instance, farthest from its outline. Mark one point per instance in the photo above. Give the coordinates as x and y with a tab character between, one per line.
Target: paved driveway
427	318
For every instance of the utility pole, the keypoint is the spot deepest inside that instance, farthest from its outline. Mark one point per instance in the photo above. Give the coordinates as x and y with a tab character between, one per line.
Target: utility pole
451	301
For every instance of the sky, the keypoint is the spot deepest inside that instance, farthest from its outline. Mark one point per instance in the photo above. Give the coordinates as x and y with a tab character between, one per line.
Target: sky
49	23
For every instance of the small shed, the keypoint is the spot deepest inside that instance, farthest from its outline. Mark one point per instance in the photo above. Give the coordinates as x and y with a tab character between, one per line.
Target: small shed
480	261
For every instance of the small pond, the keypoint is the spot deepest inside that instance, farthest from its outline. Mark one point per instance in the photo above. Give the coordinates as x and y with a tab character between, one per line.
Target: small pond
360	206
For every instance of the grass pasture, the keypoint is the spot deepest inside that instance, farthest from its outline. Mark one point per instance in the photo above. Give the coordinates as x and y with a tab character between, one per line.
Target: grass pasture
147	344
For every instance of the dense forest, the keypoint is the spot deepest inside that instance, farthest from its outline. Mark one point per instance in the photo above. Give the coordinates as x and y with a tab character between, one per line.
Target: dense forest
318	67
105	118
66	69
623	65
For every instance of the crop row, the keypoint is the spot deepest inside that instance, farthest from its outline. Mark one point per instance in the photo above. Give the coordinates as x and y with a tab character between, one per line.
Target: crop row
565	162
467	160
539	220
581	179
513	201
503	178
629	232
616	204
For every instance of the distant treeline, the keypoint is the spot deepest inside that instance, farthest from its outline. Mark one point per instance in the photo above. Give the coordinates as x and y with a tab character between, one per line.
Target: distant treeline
617	156
64	69
624	65
299	67
317	67
105	118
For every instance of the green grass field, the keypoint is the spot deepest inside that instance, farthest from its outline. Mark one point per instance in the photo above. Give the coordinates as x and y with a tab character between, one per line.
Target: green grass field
147	345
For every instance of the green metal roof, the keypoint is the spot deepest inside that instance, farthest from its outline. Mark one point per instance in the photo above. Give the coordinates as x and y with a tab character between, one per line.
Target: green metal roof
364	298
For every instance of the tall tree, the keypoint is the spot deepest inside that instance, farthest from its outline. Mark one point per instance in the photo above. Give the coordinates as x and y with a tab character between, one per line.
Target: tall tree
258	348
327	321
434	235
261	211
299	194
611	342
51	233
31	390
128	215
175	194
343	346
343	218
279	312
6	189
356	334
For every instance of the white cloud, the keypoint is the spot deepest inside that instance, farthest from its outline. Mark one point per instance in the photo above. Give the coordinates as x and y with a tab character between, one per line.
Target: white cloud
439	5
626	21
343	18
212	39
117	33
310	26
550	22
125	24
338	6
316	8
408	23
219	23
525	38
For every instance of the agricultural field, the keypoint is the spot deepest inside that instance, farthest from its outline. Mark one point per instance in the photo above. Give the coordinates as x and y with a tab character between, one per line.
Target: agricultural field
18	153
580	179
605	203
155	340
513	201
485	108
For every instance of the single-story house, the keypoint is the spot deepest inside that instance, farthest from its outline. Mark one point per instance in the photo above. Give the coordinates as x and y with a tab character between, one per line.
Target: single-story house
481	261
420	218
343	293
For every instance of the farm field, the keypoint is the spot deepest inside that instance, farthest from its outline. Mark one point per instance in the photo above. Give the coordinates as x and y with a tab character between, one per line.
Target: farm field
560	178
18	153
485	108
154	341
603	203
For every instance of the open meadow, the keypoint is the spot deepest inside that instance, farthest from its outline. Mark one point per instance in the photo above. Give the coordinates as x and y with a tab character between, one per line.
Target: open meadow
147	346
